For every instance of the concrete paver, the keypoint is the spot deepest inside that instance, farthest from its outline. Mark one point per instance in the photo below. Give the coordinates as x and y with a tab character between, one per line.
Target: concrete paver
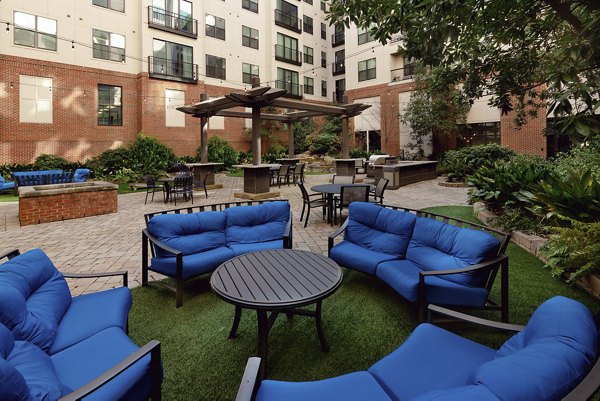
113	242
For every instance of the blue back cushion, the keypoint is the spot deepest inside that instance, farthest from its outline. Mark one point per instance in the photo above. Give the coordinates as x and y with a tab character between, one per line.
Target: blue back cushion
34	297
189	233
379	229
548	358
258	223
81	174
440	246
39	172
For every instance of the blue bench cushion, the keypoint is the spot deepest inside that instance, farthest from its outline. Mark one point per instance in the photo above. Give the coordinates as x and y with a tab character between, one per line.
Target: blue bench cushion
259	223
189	233
464	393
195	264
440	246
36	173
240	249
6	184
92	313
548	358
34	297
356	257
356	386
81	174
430	359
90	358
403	276
379	229
12	383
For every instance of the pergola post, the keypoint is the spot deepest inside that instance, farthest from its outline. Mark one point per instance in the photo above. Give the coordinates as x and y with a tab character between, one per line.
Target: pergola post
256	128
291	149
203	134
345	149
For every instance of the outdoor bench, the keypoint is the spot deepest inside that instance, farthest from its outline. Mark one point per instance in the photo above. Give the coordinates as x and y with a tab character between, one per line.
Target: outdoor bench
189	242
423	257
554	357
54	346
44	177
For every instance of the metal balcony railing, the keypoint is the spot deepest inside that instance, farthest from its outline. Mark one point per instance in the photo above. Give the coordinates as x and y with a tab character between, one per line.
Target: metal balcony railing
339	67
338	96
338	38
403	73
175	23
289	21
162	68
288	55
293	90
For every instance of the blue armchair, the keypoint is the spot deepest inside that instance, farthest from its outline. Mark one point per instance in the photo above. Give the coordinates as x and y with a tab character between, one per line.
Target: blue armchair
81	174
6	185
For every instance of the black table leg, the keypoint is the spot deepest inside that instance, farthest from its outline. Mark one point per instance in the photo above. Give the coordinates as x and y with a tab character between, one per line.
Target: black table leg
263	332
324	346
236	322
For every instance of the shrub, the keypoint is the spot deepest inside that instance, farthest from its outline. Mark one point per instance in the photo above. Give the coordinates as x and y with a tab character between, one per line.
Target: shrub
328	141
276	151
245	157
574	250
302	131
581	157
147	156
220	151
107	163
459	164
49	162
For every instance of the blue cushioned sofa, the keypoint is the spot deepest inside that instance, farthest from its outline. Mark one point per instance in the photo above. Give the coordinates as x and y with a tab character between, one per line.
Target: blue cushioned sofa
189	242
424	257
554	357
54	346
6	185
43	177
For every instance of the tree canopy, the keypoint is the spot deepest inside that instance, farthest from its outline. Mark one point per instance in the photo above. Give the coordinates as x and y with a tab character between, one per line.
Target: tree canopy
526	53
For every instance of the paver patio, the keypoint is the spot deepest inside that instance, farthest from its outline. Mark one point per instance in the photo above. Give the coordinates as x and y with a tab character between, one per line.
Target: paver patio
113	242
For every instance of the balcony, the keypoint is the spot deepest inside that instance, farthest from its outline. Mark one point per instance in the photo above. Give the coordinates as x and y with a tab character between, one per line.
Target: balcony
183	25
338	38
339	67
293	90
288	55
161	68
288	21
403	73
338	97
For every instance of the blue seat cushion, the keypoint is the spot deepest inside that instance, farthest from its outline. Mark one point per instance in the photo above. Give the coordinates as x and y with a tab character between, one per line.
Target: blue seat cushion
189	233
92	313
440	246
259	223
81	174
88	359
356	386
240	249
356	257
464	393
379	229
38	372
430	359
193	265
34	297
403	276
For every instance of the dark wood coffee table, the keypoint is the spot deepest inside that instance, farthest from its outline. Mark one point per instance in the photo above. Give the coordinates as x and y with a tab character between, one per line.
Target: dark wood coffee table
276	281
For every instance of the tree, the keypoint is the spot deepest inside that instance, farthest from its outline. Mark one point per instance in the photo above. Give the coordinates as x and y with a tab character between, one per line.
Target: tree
526	53
302	130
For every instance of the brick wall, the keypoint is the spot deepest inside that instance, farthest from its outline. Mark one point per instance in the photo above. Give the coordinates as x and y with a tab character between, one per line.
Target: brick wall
528	138
45	209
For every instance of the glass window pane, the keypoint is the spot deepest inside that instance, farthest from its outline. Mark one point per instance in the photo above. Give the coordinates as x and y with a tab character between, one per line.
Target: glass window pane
46	42
210	20
46	25
25	20
117	40
118	5
116	95
24	37
100	37
101	3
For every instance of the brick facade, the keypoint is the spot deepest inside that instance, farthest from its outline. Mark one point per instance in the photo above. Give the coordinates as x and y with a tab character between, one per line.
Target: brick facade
529	138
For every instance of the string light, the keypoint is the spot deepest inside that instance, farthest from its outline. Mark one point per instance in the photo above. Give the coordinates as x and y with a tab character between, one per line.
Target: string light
72	44
7	27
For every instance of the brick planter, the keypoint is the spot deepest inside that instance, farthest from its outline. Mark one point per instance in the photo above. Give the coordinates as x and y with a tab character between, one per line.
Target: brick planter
47	203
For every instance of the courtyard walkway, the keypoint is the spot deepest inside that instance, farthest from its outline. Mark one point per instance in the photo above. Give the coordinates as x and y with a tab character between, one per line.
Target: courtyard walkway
113	242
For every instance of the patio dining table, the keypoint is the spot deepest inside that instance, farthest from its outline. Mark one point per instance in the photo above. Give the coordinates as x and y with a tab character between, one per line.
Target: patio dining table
333	189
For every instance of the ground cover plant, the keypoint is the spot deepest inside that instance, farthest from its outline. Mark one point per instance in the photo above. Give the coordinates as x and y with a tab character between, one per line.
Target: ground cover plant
363	321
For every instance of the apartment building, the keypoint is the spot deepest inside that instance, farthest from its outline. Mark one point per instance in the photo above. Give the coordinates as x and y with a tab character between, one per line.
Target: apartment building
79	77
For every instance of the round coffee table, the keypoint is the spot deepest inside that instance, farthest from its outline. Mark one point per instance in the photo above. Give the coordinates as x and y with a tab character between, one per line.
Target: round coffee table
276	281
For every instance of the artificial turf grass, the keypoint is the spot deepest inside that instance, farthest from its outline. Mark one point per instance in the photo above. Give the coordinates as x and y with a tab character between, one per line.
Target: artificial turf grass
363	321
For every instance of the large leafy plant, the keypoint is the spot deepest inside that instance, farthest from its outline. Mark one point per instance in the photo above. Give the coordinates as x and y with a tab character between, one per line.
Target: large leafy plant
220	151
459	164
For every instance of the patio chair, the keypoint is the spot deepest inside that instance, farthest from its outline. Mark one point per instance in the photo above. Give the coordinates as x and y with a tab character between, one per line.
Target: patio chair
297	173
377	193
202	185
6	185
183	185
311	203
343	179
281	174
152	187
349	194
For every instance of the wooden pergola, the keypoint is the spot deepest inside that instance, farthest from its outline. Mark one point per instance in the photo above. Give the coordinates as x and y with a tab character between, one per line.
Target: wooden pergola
259	97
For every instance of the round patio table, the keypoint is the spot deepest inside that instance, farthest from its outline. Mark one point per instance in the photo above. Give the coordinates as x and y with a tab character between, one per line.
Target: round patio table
333	189
276	281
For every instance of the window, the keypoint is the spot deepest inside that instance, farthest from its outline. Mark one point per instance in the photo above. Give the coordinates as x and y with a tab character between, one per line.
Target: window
364	36
34	31
323	31
323	6
287	49
215	27
173	14
117	5
308	1
173	60
308	55
249	37
410	65
108	46
287	79
323	88
249	71
251	5
173	99
110	108
286	15
35	99
307	24
338	65
366	69
215	67
309	86
324	59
